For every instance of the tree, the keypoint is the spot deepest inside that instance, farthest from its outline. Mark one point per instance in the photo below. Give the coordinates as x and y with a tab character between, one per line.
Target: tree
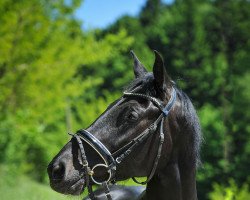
43	50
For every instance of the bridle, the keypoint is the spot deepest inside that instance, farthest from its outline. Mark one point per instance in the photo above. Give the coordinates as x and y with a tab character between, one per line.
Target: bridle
112	160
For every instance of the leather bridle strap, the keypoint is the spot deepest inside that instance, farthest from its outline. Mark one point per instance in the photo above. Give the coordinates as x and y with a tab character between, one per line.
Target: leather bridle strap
157	158
107	190
152	128
145	134
136	141
85	166
165	110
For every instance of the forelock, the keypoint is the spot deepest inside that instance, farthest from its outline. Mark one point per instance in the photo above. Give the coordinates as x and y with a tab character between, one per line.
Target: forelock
143	85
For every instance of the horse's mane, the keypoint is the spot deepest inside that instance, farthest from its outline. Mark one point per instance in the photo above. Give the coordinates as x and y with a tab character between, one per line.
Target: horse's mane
191	127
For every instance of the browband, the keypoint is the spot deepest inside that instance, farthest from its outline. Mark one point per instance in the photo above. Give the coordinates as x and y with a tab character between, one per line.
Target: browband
165	110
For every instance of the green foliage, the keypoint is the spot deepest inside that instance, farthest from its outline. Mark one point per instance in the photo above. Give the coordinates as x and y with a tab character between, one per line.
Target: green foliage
43	50
230	192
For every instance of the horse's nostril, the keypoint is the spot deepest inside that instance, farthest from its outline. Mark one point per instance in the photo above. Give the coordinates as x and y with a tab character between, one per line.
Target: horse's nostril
58	172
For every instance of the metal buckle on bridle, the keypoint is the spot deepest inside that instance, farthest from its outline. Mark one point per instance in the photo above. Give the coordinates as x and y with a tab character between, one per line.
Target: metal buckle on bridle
90	172
152	127
85	163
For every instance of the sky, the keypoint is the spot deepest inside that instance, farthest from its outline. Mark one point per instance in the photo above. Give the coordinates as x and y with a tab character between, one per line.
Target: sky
101	13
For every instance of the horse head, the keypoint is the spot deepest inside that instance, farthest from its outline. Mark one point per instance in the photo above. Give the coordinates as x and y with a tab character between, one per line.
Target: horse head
133	137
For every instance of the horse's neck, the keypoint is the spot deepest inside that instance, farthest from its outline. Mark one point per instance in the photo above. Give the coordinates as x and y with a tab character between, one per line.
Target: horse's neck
171	184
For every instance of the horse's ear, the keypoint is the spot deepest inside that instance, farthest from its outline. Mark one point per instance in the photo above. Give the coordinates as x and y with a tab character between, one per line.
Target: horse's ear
160	75
139	69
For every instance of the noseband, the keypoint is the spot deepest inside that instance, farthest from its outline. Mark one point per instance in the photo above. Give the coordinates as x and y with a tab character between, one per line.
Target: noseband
112	160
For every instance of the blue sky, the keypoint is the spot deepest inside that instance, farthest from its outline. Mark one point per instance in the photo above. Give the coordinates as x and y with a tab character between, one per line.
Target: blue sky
100	13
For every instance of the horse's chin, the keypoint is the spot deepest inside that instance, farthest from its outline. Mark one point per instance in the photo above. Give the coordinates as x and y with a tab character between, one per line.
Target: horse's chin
68	188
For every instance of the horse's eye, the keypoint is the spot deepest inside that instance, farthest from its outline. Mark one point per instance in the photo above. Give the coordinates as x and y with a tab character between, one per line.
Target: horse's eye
133	116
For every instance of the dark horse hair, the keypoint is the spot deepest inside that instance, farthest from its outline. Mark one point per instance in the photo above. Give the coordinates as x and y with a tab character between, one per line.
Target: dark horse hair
186	115
190	123
174	177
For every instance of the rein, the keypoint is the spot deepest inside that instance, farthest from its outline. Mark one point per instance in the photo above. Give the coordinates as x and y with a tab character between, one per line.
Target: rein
112	160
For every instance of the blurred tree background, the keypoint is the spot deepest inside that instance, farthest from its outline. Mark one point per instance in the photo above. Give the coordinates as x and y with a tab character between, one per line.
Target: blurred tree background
56	77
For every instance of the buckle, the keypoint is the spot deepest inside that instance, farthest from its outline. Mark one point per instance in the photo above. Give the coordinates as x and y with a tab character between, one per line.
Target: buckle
85	163
152	127
90	172
165	113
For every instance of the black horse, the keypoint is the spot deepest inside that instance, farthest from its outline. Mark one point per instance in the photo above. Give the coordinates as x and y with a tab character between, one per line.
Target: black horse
152	131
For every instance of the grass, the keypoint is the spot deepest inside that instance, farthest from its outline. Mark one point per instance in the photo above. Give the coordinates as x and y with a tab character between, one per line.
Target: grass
24	188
